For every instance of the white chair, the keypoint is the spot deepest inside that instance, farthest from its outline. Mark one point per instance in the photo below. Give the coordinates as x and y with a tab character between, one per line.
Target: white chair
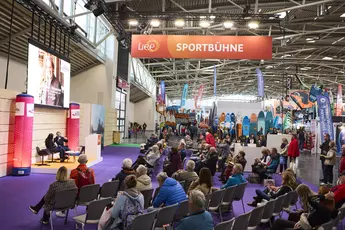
268	212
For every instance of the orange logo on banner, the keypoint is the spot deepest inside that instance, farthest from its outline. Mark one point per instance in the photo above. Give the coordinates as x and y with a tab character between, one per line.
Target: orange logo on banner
219	47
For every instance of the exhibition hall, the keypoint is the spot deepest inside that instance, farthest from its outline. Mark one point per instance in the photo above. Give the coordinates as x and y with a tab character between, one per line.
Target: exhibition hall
172	114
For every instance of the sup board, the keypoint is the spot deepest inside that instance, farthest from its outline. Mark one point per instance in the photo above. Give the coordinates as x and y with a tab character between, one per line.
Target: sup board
261	123
245	126
269	122
253	129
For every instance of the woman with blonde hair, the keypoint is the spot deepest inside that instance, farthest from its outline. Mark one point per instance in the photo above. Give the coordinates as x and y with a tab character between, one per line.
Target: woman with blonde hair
62	183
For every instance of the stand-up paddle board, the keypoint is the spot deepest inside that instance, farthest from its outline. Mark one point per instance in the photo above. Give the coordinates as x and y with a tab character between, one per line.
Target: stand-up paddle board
227	120
253	128
269	122
245	126
261	123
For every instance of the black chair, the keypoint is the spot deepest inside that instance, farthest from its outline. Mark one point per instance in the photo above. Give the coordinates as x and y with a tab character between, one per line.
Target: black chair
42	153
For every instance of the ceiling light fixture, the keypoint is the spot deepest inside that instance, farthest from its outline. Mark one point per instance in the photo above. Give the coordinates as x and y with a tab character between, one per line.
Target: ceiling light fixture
204	24
155	23
343	15
327	58
133	22
179	23
307	57
212	17
228	24
312	41
253	25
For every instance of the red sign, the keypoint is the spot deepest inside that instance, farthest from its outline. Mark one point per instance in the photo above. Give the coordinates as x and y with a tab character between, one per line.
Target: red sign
122	84
210	47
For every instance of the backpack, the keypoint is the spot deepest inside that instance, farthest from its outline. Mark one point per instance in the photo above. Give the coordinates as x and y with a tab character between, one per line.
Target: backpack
130	212
84	178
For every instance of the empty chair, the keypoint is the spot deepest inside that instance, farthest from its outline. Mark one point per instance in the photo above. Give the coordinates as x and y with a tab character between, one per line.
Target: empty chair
182	211
109	189
255	217
226	225
339	218
216	202
229	196
165	216
147	197
93	213
64	201
241	222
144	221
87	194
287	202
239	193
278	207
42	153
268	212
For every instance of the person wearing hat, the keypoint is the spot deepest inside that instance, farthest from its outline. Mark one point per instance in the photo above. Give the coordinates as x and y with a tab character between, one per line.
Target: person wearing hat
82	175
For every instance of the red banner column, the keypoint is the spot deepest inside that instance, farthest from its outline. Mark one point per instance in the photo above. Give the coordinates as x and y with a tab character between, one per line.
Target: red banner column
23	127
73	126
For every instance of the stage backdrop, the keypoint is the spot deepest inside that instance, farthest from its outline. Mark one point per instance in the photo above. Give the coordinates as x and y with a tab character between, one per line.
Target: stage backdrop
97	120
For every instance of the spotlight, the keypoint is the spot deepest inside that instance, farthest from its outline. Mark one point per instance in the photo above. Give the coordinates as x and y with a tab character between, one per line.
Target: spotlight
253	25
96	6
133	22
155	23
228	24
179	23
204	24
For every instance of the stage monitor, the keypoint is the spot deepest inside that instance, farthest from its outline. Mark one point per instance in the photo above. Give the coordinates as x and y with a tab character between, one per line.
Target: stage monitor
48	77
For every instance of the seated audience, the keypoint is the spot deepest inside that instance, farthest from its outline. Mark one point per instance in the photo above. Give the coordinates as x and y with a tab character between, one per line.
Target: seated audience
271	166
236	178
225	152
298	180
129	203
315	212
188	175
143	180
204	183
189	142
170	192
288	182
60	141
150	159
175	162
182	149
210	139
126	170
62	183
198	218
52	148
151	141
338	192
259	165
210	160
83	175
240	159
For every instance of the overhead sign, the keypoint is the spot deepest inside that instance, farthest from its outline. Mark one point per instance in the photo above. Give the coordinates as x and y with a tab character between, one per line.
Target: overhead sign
186	46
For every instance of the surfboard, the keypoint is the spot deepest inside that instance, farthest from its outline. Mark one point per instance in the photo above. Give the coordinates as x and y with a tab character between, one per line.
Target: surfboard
261	123
269	122
239	130
287	121
275	122
245	126
232	124
227	120
253	127
222	117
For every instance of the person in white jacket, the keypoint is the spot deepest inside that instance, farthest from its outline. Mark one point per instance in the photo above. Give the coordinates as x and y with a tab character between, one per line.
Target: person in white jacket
143	180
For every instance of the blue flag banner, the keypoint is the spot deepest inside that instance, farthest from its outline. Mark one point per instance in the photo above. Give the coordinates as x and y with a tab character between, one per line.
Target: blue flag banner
260	82
215	81
184	95
314	91
325	115
163	91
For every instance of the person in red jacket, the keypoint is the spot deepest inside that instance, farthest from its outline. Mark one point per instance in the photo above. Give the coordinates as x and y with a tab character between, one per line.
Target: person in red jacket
338	192
342	160
210	139
293	150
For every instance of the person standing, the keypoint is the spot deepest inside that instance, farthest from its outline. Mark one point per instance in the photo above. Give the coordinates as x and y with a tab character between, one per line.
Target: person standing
330	160
293	150
283	155
301	139
324	150
144	128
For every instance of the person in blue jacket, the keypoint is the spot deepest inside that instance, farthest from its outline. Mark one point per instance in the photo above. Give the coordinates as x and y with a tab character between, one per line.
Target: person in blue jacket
273	164
170	192
198	218
236	178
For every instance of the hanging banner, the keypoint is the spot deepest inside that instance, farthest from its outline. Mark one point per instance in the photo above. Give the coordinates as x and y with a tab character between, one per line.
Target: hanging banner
325	115
339	107
215	81
198	97
184	95
162	94
260	82
187	46
313	131
314	91
301	98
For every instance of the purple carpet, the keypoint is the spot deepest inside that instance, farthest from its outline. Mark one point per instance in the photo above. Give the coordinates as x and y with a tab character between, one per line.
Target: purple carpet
17	193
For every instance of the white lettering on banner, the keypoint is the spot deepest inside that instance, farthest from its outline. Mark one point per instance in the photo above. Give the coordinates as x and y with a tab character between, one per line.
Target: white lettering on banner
218	47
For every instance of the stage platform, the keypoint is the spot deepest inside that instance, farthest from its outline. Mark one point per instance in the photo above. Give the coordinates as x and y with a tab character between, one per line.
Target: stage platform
53	167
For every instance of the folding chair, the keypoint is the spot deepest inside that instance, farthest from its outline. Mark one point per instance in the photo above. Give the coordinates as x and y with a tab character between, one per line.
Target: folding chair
287	202
216	202
268	212
93	213
165	216
64	201
87	194
42	153
255	217
109	189
144	221
226	225
278	207
147	197
241	222
241	188
182	211
228	197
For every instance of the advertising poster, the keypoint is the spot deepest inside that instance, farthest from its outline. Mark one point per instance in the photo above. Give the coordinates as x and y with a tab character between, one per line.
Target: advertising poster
325	115
339	107
340	137
97	120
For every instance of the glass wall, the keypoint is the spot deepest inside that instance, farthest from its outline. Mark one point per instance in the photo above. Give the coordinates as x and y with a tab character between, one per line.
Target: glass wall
120	106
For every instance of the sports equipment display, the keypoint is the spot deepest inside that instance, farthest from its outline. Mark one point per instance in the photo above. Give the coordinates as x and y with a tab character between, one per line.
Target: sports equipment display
245	126
261	123
269	122
253	124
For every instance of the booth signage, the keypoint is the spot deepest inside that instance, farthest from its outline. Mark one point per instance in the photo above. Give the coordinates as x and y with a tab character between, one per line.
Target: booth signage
122	84
325	115
219	47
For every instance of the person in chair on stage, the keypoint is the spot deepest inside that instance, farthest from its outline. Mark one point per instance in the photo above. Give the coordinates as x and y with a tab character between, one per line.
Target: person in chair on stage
60	141
52	148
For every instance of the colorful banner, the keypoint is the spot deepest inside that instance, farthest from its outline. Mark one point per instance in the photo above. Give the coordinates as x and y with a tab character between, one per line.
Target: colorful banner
340	137
260	82
184	95
313	134
215	81
187	46
325	115
314	91
198	97
331	100
339	107
301	98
